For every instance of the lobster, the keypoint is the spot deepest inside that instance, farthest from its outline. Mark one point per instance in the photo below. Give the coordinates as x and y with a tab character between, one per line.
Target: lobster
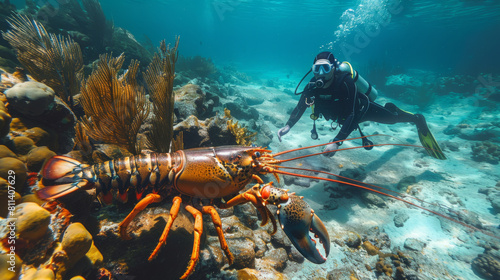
202	178
192	176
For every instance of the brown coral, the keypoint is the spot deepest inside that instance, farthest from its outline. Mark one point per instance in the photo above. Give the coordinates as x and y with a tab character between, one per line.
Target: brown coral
114	107
243	136
159	78
53	60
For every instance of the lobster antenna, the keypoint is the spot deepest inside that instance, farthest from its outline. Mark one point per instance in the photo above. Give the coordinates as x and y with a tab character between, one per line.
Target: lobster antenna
342	149
367	184
324	144
388	195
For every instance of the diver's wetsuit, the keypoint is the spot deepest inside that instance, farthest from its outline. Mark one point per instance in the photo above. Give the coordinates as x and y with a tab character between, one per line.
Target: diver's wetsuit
342	103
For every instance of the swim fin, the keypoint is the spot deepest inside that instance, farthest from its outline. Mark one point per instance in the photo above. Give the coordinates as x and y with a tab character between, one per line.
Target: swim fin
427	139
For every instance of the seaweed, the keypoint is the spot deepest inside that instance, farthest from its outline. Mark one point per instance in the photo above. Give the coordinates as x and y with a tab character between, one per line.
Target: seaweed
53	60
243	136
82	141
115	107
197	66
159	77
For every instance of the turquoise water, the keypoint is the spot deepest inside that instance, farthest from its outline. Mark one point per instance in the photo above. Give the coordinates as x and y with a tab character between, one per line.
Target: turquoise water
455	36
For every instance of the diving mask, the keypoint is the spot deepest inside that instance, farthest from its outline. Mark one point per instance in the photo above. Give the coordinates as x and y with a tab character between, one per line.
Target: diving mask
322	68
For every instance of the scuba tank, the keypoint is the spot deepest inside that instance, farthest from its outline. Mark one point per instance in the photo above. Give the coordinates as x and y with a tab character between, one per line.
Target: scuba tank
362	85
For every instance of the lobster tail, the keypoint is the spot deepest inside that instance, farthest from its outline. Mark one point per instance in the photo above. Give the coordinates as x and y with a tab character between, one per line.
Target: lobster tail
58	166
60	176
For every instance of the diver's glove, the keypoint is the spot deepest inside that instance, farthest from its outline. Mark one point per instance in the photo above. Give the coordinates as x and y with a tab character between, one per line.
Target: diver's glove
284	130
331	147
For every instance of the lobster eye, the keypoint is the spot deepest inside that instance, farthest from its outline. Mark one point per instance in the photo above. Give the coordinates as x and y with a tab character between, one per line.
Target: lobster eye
257	154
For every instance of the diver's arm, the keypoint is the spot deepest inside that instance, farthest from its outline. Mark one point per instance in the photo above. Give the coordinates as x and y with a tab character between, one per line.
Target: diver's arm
297	112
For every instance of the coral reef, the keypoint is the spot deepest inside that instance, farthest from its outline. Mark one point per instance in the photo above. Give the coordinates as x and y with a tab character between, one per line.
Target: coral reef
191	100
486	152
196	67
32	221
413	89
114	107
243	136
85	23
159	78
5	120
53	60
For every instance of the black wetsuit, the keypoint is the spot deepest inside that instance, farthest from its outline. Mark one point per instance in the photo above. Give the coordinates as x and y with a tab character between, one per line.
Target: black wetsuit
342	103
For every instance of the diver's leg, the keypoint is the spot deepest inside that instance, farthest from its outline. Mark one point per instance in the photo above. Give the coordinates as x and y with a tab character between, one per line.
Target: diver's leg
391	114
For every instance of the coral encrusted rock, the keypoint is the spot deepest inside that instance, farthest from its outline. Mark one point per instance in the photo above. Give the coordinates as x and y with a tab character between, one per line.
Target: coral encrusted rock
30	98
32	221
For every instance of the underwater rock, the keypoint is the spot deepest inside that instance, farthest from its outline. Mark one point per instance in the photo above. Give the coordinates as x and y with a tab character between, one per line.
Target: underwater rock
5	120
30	98
5	197
280	240
249	273
265	136
253	97
76	242
36	158
404	183
13	167
243	250
451	145
32	221
235	229
131	256
276	258
87	264
23	145
6	152
247	214
478	132
17	125
457	84
400	219
210	132
487	266
295	256
373	200
7	262
242	111
190	100
414	244
40	274
494	198
486	152
211	259
351	239
123	41
32	198
39	136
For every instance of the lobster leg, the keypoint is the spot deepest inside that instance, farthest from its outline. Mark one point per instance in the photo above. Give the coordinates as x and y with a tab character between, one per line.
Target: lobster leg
252	195
148	199
218	226
172	215
198	230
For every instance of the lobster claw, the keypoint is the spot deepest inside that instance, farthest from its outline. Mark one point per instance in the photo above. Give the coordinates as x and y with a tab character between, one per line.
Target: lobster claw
300	224
304	229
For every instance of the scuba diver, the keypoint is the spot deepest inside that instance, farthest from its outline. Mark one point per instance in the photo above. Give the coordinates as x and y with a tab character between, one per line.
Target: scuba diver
338	93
